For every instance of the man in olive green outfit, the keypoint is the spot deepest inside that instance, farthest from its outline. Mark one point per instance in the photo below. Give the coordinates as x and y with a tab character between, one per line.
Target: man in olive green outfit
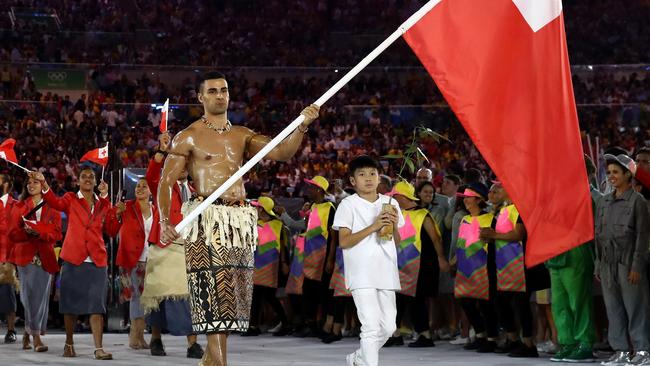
572	275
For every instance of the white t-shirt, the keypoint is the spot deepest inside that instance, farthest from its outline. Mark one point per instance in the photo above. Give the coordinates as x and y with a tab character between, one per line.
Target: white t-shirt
372	263
147	229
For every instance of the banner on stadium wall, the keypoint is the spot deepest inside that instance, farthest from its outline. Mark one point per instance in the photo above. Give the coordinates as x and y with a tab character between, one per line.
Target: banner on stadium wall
59	79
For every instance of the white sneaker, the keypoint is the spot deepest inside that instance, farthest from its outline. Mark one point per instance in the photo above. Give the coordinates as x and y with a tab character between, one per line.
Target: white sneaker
640	358
618	358
459	341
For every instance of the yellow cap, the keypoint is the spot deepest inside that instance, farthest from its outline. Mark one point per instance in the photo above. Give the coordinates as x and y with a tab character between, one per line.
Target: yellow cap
405	189
266	203
319	182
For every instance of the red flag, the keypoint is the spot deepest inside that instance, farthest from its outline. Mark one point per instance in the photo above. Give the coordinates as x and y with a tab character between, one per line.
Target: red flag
163	117
503	67
7	150
99	156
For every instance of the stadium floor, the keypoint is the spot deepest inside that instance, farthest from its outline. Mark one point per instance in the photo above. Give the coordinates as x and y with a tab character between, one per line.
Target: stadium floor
256	351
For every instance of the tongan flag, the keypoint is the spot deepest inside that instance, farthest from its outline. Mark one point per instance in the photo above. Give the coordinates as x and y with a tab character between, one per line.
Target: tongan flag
99	156
7	150
503	67
163	117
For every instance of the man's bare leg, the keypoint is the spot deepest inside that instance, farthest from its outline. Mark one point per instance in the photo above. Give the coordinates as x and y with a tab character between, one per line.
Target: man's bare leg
216	349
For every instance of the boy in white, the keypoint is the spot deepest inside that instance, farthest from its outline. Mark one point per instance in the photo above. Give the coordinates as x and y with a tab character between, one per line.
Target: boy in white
370	263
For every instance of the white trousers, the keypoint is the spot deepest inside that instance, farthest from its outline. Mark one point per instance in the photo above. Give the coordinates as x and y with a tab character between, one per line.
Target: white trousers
377	312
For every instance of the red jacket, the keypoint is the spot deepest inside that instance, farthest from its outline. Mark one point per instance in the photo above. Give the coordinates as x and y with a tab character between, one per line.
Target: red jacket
25	246
643	176
84	236
175	215
132	235
5	214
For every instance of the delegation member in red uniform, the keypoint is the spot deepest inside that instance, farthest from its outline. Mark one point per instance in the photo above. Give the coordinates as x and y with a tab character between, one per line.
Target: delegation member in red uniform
83	273
34	228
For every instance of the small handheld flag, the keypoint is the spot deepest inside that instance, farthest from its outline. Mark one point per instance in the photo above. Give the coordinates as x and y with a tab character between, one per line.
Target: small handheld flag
164	115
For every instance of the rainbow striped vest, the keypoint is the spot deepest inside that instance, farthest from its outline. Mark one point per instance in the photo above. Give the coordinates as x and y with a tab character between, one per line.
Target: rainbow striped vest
316	240
471	252
267	253
509	255
410	248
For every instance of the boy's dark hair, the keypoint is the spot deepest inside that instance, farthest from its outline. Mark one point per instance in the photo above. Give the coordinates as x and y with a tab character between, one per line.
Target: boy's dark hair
209	76
362	161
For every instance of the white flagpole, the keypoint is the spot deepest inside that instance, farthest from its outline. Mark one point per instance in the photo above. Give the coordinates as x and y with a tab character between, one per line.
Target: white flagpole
296	122
18	165
103	167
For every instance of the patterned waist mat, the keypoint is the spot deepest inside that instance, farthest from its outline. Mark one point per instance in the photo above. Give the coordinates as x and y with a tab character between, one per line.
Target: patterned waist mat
221	202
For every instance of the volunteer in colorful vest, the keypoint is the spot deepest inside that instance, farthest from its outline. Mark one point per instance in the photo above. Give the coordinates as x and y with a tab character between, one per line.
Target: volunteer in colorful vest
34	229
313	254
420	258
83	273
622	237
572	304
138	218
165	297
271	258
513	297
476	270
8	280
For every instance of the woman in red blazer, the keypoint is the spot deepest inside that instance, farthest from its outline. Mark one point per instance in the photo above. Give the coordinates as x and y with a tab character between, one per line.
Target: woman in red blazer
138	220
83	273
33	233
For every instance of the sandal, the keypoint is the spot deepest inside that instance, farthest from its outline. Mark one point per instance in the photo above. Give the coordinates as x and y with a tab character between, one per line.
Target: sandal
68	351
41	348
26	344
100	354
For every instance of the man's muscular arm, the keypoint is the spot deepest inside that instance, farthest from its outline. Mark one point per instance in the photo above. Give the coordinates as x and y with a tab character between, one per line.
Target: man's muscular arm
287	148
175	163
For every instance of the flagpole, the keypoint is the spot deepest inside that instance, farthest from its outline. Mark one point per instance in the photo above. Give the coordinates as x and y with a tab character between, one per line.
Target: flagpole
296	122
18	165
103	166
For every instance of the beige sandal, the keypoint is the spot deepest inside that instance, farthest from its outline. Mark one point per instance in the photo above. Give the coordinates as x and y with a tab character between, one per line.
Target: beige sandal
100	354
41	348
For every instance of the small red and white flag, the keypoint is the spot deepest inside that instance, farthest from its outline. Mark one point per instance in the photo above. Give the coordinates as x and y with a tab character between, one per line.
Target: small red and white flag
7	151
99	156
164	116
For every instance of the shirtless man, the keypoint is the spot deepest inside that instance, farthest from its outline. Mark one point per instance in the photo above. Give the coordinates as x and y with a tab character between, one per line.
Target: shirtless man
220	243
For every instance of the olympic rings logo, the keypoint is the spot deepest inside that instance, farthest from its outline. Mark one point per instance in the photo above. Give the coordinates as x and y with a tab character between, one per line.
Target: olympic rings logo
57	75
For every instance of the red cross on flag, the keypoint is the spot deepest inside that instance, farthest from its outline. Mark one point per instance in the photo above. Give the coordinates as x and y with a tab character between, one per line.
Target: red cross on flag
98	156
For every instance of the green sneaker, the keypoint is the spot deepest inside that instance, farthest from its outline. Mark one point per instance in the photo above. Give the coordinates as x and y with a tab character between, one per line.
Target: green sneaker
564	352
583	353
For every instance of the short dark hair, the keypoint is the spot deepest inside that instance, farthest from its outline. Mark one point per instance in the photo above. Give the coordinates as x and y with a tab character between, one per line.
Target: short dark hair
454	178
472	175
362	161
6	178
211	75
643	150
420	186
